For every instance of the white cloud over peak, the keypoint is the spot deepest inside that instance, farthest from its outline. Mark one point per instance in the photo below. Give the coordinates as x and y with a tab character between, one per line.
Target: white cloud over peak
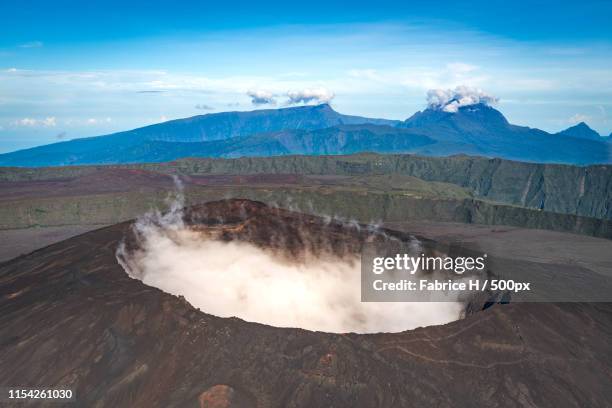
317	95
450	100
260	97
577	118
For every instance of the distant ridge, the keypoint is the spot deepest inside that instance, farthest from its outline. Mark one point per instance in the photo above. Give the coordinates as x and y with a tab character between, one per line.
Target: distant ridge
581	130
476	129
227	125
480	129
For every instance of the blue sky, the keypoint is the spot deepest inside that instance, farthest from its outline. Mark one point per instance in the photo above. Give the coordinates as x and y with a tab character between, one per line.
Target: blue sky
72	69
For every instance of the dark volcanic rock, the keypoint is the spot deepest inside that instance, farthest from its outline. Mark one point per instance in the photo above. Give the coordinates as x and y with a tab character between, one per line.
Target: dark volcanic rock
287	232
72	317
223	396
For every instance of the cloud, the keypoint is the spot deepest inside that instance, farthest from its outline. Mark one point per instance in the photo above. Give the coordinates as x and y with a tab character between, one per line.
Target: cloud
445	76
202	106
26	122
317	95
259	97
450	100
31	122
49	121
95	121
370	74
87	121
460	68
32	44
578	117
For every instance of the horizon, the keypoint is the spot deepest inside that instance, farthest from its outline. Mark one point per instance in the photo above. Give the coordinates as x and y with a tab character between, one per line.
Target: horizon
71	76
329	104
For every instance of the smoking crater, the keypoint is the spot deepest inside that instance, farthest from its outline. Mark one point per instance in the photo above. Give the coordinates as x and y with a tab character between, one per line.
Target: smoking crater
244	259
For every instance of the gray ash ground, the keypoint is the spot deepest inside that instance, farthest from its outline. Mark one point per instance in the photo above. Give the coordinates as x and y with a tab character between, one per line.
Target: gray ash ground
71	317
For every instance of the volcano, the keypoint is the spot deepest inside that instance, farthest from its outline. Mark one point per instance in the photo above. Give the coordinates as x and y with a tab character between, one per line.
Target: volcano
476	129
480	129
72	318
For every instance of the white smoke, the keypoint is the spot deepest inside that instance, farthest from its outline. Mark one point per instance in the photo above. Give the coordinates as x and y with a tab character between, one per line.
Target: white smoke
317	95
450	100
240	279
260	97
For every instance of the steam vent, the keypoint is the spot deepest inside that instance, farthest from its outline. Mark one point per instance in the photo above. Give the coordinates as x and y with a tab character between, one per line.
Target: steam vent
81	314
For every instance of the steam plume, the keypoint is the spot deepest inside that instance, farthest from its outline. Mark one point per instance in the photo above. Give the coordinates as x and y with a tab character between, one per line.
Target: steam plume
240	279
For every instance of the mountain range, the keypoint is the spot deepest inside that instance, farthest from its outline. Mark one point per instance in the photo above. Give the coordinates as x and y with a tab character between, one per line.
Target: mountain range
476	129
582	130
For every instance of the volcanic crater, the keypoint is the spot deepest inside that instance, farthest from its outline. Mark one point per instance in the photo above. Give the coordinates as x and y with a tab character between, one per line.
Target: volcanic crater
273	266
72	317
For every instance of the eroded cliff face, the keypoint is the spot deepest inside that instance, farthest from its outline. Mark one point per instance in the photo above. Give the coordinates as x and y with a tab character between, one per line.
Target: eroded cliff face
110	208
585	191
72	317
368	188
